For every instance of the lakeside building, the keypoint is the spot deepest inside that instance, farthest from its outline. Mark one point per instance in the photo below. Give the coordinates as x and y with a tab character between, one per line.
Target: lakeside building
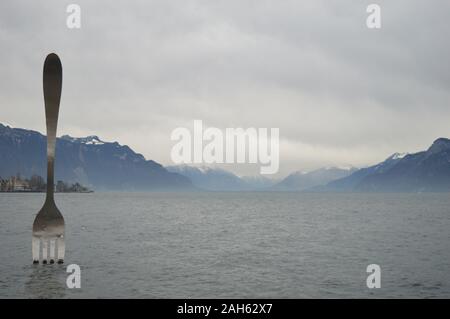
37	184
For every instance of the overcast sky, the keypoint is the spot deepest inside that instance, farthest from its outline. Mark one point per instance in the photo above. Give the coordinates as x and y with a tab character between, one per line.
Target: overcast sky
339	92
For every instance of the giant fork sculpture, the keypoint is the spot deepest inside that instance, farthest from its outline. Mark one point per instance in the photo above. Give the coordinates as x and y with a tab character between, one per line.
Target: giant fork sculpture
48	226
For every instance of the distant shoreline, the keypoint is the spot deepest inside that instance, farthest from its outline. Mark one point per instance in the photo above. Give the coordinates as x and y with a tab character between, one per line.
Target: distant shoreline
31	191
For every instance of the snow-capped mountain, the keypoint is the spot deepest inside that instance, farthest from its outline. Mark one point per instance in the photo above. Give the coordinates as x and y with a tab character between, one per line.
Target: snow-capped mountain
299	181
89	160
350	182
218	179
89	140
209	178
427	171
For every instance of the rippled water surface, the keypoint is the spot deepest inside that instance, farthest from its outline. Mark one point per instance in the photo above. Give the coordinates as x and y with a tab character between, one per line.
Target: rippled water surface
194	245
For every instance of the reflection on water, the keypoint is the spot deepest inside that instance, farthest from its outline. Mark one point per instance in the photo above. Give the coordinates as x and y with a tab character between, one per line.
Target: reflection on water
46	281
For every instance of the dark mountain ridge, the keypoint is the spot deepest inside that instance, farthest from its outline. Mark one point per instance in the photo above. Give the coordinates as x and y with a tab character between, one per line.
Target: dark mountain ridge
426	171
90	161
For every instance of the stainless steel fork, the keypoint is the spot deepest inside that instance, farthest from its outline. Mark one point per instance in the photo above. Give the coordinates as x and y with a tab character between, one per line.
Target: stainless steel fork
48	226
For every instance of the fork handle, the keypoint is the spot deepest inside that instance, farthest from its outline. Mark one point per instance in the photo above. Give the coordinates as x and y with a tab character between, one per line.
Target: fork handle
52	82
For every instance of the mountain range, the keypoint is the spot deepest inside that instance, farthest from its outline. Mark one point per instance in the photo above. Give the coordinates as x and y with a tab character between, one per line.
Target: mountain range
300	181
217	179
90	161
104	165
426	171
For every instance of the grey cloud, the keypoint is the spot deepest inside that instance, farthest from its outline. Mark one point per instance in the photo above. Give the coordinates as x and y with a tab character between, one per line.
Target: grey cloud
339	93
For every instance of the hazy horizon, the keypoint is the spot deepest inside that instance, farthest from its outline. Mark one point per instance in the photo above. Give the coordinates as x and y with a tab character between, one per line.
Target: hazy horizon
229	167
340	93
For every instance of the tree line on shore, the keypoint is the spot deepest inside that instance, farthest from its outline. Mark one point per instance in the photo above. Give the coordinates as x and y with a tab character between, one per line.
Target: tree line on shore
37	183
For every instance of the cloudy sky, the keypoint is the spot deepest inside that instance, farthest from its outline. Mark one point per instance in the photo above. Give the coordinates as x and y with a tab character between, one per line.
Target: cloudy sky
339	92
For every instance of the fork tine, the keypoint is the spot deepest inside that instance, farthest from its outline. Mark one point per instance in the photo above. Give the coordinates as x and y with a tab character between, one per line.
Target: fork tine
44	250
35	248
61	249
52	250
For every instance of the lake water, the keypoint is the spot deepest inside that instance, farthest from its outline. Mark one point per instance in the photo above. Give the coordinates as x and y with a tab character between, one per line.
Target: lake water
229	245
